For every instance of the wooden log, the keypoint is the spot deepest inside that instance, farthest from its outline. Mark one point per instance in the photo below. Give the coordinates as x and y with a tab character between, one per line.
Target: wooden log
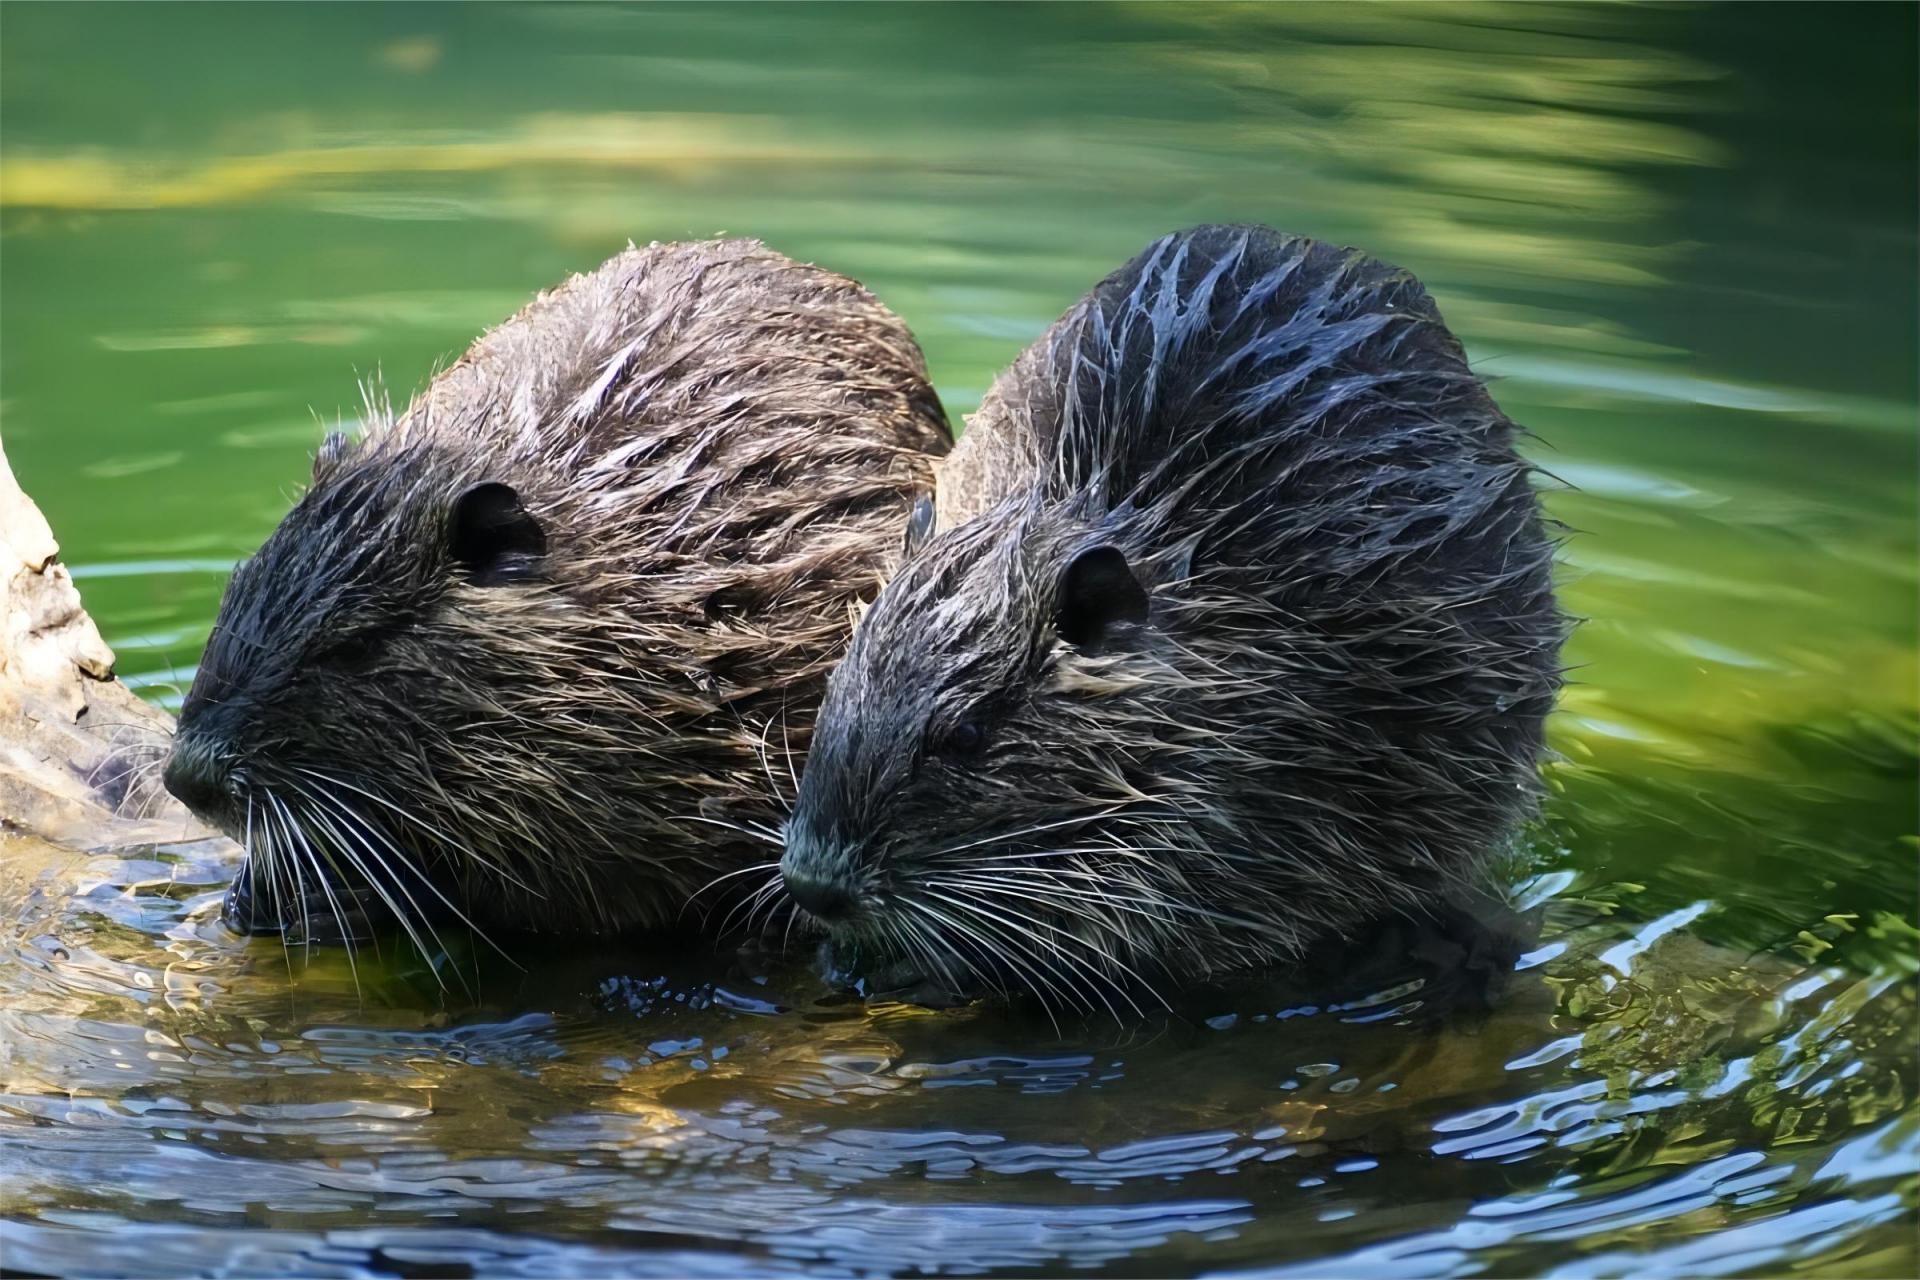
80	753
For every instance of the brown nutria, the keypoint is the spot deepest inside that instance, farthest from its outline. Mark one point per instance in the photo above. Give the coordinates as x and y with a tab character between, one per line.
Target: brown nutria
1250	639
518	655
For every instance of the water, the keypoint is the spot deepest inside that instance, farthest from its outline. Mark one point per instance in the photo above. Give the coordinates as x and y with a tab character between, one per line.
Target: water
1683	242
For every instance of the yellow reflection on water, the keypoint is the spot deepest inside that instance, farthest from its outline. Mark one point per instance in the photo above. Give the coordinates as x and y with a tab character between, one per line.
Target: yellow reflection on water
663	144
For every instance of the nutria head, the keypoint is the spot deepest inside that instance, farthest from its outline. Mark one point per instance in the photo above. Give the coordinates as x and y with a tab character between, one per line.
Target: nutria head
363	693
1261	653
518	656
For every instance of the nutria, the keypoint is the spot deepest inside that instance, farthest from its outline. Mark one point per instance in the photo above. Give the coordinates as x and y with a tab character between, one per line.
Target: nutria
535	654
1249	640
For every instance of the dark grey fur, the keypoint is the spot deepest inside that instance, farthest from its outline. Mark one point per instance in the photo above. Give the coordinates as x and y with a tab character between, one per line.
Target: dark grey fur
536	652
1250	638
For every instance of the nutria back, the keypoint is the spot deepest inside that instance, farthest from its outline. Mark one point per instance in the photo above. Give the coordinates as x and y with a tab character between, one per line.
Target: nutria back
538	651
1249	640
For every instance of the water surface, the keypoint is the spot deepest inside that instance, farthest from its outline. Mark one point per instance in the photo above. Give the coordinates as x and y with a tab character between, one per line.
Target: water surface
1682	241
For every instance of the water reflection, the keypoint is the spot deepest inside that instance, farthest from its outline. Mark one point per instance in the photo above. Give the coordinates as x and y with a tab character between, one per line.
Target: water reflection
1704	1065
1639	1077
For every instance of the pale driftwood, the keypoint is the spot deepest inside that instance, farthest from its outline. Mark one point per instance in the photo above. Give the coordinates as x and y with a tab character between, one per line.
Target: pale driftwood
79	751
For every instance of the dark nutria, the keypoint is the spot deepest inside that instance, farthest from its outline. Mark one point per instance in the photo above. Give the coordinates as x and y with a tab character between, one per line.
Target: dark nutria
1251	641
519	655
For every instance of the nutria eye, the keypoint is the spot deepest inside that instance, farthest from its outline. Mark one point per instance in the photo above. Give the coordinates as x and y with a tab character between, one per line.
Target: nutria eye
967	738
355	653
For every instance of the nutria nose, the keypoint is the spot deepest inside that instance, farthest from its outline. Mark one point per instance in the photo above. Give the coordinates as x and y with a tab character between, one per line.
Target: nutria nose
823	896
197	778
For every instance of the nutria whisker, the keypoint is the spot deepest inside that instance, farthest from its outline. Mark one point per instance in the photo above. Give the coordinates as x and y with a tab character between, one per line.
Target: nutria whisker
1023	832
1135	852
771	901
376	883
280	890
1048	935
793	918
764	749
1046	889
751	832
299	853
994	946
1082	976
1116	915
131	774
769	869
901	930
123	774
924	950
743	904
358	828
786	743
315	852
767	894
164	732
280	837
439	835
992	949
267	867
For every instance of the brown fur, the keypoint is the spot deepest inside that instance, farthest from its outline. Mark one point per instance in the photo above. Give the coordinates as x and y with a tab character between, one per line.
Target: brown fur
566	703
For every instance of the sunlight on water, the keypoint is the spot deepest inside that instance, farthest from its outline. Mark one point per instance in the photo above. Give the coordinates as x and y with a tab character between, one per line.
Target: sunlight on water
1679	241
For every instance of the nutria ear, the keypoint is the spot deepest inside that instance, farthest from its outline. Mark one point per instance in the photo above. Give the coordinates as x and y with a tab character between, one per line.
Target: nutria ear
493	536
919	525
1098	591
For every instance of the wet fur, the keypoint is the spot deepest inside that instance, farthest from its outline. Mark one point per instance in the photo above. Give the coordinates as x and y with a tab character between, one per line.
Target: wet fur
720	447
1330	710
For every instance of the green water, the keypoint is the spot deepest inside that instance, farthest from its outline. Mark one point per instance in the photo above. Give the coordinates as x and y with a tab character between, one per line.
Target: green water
1683	242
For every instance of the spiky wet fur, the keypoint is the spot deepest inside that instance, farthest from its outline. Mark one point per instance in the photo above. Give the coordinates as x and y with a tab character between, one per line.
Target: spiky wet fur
1333	709
722	446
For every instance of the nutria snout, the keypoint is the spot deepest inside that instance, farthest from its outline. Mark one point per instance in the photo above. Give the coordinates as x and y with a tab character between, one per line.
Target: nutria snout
1236	632
536	653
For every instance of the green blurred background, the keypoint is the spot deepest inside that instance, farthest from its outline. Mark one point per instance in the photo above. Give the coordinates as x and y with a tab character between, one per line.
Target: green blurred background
1680	240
